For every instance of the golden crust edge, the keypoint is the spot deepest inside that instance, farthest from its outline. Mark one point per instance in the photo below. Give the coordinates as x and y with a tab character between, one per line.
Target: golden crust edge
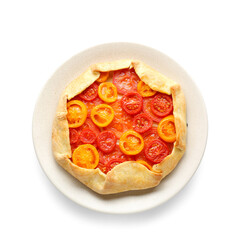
117	180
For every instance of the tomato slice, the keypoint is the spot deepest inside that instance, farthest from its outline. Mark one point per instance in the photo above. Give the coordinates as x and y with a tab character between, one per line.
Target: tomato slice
142	123
131	143
132	103
102	115
156	151
91	104
145	163
125	80
113	163
106	141
76	113
147	109
162	105
87	136
90	93
150	135
86	156
145	90
103	77
166	129
121	122
107	91
73	135
102	167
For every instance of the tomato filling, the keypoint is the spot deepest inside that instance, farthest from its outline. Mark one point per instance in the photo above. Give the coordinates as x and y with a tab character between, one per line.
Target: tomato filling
99	116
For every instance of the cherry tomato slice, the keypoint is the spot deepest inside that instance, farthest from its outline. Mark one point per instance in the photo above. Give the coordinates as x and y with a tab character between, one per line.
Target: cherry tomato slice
162	105
156	151
76	113
106	141
131	143
103	77
145	90
142	123
166	129
150	135
113	163
73	135
125	80
87	136
147	109
86	156
107	92
90	93
132	103
102	115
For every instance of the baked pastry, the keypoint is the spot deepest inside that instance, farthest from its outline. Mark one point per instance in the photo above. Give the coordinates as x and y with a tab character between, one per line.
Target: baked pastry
120	126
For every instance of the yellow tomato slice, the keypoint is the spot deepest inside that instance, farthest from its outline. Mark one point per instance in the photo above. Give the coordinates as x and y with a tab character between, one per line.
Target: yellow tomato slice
102	115
145	164
144	90
86	156
107	91
166	129
76	113
131	143
103	77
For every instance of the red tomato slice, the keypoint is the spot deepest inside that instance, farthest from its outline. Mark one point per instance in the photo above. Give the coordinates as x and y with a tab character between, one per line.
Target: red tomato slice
125	80
106	141
73	135
156	151
87	136
90	93
150	135
142	122
89	125
132	103
113	163
162	105
147	109
106	157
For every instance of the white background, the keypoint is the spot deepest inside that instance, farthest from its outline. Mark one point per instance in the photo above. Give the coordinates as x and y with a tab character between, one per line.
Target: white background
38	36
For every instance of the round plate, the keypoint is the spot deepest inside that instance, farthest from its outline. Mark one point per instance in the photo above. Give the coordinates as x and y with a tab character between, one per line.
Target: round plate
132	201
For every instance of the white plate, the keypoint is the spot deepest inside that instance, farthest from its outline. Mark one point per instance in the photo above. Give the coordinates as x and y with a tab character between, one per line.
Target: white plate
133	201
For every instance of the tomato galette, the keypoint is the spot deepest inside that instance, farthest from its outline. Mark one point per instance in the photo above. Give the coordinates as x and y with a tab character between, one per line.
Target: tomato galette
120	126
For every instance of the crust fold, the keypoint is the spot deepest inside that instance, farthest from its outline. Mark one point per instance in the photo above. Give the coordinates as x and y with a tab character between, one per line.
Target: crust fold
128	175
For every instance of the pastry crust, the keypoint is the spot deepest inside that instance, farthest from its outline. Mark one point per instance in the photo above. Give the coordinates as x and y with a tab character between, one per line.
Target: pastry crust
128	175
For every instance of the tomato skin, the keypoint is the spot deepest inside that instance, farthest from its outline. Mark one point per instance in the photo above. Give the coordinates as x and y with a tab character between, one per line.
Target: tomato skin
90	93
125	80
142	123
106	141
132	103
162	105
147	109
87	136
156	151
91	104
